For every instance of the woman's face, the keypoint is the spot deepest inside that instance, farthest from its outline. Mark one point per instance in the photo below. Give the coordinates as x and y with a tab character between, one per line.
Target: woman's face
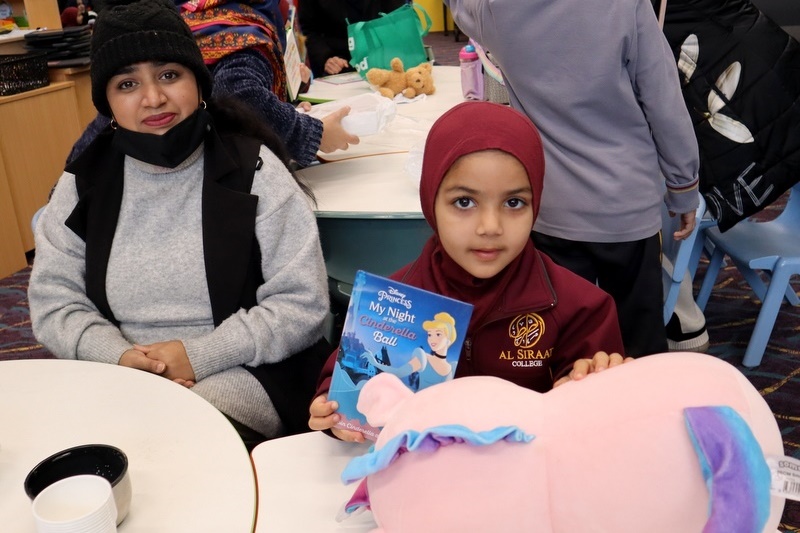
438	341
483	211
152	97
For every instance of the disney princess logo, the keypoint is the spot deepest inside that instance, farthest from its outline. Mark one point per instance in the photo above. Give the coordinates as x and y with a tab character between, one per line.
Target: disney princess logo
526	330
394	296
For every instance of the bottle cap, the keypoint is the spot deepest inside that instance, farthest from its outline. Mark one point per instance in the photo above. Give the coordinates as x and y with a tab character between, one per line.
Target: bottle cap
468	53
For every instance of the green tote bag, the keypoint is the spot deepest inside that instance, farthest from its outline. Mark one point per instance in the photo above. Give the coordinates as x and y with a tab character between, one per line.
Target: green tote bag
374	43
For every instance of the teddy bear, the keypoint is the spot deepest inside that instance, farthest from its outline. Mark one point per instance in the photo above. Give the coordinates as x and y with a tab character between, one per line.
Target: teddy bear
417	80
420	80
669	443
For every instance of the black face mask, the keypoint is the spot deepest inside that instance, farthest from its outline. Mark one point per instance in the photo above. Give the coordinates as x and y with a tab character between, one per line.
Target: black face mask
168	150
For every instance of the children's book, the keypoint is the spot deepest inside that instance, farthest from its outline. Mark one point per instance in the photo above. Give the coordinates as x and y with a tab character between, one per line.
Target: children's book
291	57
341	79
393	327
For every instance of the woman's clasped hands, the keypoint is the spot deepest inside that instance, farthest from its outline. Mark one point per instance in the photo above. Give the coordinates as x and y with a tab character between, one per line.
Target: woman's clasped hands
167	359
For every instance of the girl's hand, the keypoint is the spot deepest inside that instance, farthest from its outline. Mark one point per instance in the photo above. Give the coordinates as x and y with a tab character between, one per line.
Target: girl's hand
305	73
583	367
324	416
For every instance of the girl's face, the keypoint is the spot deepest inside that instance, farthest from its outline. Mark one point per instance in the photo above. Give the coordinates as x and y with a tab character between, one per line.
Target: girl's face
152	97
483	211
438	341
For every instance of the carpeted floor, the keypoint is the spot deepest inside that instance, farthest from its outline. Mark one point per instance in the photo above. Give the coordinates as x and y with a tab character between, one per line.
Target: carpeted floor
730	314
445	47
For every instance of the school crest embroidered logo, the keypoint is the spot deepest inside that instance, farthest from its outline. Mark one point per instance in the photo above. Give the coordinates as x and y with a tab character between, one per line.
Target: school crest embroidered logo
526	330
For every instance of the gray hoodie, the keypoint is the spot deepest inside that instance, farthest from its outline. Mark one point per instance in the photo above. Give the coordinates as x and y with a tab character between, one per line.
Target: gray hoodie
599	80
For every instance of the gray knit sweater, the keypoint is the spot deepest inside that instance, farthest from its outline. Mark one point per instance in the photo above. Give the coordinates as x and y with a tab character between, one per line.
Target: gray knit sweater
157	288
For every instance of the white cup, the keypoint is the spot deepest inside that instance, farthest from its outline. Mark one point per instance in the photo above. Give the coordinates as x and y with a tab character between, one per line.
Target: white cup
75	504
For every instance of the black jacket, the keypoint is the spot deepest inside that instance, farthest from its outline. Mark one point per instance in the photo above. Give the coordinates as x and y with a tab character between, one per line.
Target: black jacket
739	176
324	22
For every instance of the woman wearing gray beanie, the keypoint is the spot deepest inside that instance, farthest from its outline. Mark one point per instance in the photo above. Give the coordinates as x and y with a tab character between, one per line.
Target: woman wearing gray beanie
179	242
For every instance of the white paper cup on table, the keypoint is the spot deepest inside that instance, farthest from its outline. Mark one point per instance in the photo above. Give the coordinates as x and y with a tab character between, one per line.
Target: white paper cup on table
77	504
370	113
102	460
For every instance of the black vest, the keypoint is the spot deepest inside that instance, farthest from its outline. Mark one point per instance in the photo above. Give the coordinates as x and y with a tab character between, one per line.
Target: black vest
232	254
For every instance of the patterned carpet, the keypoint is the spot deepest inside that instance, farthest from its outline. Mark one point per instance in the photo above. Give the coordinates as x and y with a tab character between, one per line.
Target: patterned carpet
731	313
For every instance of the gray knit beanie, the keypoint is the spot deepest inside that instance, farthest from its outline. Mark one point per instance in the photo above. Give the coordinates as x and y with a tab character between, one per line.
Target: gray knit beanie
128	32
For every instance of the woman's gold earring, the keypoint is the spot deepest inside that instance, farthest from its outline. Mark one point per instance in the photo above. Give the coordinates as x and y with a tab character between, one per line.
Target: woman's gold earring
113	124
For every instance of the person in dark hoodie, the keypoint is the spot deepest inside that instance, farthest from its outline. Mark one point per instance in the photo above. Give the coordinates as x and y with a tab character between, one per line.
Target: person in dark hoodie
324	23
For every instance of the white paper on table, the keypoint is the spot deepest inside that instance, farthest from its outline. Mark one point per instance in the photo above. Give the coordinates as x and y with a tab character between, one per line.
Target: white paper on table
398	137
413	165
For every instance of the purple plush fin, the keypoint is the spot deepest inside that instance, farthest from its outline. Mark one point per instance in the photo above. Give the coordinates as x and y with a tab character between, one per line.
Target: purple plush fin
733	465
358	502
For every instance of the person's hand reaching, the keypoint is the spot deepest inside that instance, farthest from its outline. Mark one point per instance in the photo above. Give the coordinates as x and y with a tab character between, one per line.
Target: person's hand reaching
335	64
334	136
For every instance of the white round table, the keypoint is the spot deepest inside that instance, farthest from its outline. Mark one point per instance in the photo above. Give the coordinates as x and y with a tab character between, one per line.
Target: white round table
299	485
368	208
189	469
371	187
411	123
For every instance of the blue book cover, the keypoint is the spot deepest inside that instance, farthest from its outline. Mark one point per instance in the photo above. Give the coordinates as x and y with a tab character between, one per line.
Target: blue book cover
393	327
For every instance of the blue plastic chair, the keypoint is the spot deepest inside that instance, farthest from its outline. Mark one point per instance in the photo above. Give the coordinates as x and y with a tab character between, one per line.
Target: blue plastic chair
35	218
683	255
771	247
374	244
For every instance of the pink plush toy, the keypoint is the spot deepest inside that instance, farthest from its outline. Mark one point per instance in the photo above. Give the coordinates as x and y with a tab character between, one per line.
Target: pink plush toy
670	443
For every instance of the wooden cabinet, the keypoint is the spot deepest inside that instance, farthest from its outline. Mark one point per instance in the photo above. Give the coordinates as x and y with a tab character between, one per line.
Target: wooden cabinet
12	255
39	128
40	13
83	90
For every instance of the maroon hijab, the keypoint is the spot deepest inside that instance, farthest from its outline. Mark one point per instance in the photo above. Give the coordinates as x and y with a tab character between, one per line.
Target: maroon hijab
473	127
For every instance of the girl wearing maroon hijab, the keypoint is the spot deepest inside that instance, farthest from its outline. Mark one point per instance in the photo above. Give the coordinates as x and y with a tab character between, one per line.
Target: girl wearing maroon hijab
533	323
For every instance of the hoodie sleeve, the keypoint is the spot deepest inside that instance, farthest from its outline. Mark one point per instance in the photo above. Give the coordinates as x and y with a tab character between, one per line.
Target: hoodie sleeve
654	76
